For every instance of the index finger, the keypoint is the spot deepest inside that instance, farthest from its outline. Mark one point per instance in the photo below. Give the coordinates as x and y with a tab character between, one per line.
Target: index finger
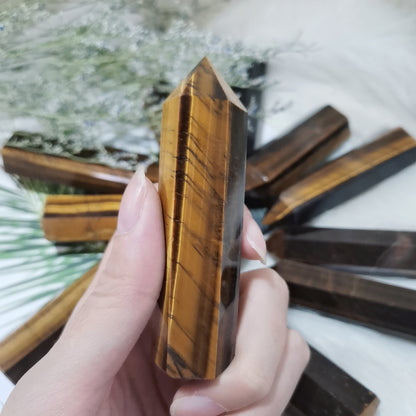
259	348
253	245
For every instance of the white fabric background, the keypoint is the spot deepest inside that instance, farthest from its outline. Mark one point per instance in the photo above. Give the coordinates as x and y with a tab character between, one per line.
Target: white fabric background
6	386
361	58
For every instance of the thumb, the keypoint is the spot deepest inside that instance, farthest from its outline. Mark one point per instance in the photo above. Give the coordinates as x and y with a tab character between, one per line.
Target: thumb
112	314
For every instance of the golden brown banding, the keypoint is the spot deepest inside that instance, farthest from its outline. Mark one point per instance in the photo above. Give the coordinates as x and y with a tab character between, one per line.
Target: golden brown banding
201	185
43	324
344	177
61	170
285	160
68	218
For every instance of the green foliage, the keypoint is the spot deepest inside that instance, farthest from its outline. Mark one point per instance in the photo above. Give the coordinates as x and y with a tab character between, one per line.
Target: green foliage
100	70
33	270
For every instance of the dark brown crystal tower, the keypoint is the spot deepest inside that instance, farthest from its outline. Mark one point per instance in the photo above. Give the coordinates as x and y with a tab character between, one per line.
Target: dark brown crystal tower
201	185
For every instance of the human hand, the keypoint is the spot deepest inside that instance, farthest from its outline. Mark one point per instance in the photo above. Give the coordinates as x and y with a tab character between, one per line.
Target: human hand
103	363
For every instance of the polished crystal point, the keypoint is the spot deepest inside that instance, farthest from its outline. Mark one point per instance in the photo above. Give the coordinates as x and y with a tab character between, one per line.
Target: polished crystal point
201	185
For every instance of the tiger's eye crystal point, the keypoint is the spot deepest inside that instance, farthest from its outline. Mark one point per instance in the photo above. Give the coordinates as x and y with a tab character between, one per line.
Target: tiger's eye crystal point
201	186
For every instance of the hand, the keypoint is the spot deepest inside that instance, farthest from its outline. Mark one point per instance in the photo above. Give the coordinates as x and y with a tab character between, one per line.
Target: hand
103	363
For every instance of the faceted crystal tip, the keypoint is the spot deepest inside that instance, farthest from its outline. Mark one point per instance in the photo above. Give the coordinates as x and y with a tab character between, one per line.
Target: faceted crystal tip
204	80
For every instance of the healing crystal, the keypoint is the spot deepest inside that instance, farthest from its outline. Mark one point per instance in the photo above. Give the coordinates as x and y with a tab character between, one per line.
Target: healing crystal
201	185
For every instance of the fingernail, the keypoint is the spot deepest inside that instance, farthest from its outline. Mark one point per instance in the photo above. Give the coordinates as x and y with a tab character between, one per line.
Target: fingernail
196	405
256	240
131	202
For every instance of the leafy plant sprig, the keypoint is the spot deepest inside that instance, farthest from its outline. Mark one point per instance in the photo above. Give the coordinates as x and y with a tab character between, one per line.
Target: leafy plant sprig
33	270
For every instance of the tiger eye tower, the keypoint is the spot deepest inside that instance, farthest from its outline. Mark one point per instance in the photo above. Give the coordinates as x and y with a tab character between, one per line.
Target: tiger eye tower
201	186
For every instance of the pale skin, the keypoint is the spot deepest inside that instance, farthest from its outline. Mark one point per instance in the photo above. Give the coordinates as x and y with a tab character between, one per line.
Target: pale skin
103	364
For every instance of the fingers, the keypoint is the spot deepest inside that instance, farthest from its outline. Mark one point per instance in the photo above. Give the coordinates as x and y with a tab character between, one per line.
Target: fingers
261	337
294	360
109	318
261	342
127	284
253	246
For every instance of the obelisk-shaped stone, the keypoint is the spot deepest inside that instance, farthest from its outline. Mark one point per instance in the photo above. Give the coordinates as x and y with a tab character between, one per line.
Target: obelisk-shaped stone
201	186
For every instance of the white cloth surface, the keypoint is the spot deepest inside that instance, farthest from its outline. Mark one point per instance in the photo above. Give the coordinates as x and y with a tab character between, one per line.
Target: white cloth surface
359	57
6	386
